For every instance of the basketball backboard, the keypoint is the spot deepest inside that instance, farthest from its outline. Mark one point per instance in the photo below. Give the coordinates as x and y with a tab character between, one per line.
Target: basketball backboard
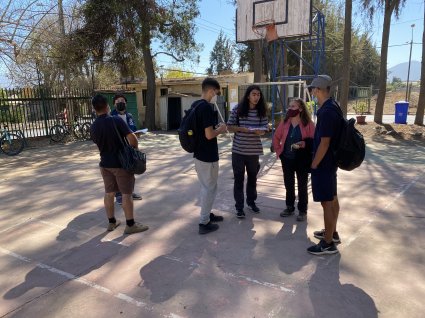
291	17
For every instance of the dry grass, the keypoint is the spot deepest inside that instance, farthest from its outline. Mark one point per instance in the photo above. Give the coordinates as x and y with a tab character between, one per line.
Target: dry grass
390	99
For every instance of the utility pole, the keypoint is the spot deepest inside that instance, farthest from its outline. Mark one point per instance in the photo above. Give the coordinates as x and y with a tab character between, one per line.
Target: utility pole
408	69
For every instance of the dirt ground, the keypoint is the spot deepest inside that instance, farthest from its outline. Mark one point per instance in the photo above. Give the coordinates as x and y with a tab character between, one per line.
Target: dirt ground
390	99
392	131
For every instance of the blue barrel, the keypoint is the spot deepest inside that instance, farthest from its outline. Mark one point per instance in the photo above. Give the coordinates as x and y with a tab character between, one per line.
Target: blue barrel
401	110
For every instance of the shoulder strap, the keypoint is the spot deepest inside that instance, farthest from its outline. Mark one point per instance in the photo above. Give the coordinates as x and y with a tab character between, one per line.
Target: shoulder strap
116	130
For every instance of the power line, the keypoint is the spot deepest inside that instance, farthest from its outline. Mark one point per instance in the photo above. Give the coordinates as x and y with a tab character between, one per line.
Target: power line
222	27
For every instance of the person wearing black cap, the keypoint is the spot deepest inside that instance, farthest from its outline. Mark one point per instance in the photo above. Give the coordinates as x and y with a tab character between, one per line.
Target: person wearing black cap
324	167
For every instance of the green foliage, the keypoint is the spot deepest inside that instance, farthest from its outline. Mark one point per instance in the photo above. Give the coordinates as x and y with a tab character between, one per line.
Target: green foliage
365	59
360	108
364	56
222	55
177	73
6	116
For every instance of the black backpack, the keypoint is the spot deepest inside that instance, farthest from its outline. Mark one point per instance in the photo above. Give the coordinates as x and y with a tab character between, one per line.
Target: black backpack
187	131
350	149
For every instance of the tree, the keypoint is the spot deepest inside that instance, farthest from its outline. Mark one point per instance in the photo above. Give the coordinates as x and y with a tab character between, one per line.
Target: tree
345	86
18	20
222	56
42	55
419	118
177	73
390	7
126	30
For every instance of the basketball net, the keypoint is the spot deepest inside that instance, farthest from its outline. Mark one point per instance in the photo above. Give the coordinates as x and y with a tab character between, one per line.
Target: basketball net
266	29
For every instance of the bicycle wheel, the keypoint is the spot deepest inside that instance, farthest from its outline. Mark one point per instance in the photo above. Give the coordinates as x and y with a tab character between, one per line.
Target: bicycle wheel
57	133
86	130
77	131
11	144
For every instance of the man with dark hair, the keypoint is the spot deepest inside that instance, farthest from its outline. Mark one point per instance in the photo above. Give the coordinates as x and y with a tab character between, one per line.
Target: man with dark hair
120	103
324	167
115	178
206	153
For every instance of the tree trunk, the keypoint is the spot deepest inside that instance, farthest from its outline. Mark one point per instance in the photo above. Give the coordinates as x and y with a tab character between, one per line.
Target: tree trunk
379	109
63	63
142	11
345	87
151	85
419	119
258	62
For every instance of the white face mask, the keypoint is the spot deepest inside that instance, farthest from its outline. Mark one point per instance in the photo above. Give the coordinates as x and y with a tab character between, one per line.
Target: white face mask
214	100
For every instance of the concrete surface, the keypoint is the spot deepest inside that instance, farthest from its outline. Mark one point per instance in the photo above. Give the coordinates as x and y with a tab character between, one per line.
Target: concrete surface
57	260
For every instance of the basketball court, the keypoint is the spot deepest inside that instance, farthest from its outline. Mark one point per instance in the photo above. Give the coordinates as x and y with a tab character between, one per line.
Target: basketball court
57	259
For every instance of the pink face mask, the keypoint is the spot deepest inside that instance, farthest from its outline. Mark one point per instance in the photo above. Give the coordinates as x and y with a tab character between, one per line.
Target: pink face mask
292	112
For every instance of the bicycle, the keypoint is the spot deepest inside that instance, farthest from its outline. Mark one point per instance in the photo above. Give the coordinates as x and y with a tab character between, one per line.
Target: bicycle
79	131
11	143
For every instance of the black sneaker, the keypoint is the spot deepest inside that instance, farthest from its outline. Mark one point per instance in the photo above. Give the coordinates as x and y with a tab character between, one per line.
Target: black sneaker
216	218
240	214
302	217
321	236
288	211
254	208
323	248
207	228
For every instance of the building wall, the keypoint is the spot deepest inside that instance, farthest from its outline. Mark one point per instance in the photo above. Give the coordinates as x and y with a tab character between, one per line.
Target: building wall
187	87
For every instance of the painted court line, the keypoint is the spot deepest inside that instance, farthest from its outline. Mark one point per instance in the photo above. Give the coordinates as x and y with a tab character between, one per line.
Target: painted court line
79	232
237	276
72	277
389	204
63	228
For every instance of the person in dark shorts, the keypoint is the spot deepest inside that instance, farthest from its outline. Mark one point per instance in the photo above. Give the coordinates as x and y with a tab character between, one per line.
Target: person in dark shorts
120	104
206	153
115	178
324	167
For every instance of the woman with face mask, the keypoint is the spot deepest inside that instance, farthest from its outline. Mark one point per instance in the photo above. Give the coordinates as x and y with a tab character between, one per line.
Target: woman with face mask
293	143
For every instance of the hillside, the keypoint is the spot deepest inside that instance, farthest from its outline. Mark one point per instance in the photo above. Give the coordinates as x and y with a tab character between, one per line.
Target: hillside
400	71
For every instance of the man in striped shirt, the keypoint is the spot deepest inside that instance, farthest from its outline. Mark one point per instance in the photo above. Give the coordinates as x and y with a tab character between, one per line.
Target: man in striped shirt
248	121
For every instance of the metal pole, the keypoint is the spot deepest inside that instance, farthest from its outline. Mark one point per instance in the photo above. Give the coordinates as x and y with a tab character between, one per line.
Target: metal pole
408	69
301	69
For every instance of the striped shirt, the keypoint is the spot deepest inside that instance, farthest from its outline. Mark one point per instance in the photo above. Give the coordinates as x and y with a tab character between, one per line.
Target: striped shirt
247	143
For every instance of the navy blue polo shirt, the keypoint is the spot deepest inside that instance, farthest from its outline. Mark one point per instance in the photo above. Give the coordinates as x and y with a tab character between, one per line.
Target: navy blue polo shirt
329	124
103	134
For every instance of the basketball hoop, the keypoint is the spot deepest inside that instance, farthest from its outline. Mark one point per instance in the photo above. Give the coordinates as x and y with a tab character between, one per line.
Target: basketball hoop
266	29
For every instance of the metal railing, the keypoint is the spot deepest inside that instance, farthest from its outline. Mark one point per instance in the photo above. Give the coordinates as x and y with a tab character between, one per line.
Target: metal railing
35	110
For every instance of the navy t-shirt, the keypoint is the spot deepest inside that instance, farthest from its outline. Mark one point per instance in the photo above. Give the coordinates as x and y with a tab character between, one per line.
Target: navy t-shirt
206	150
103	134
328	125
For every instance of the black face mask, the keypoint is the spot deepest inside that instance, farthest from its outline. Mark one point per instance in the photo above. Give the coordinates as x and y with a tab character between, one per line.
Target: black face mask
120	107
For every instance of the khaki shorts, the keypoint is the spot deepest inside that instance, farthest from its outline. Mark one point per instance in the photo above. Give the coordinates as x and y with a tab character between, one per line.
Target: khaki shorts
117	180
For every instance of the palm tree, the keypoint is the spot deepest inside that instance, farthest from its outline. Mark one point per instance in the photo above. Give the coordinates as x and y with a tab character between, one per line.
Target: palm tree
390	7
346	58
419	119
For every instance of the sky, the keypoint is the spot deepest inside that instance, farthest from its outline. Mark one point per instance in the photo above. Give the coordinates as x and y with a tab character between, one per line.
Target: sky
216	15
